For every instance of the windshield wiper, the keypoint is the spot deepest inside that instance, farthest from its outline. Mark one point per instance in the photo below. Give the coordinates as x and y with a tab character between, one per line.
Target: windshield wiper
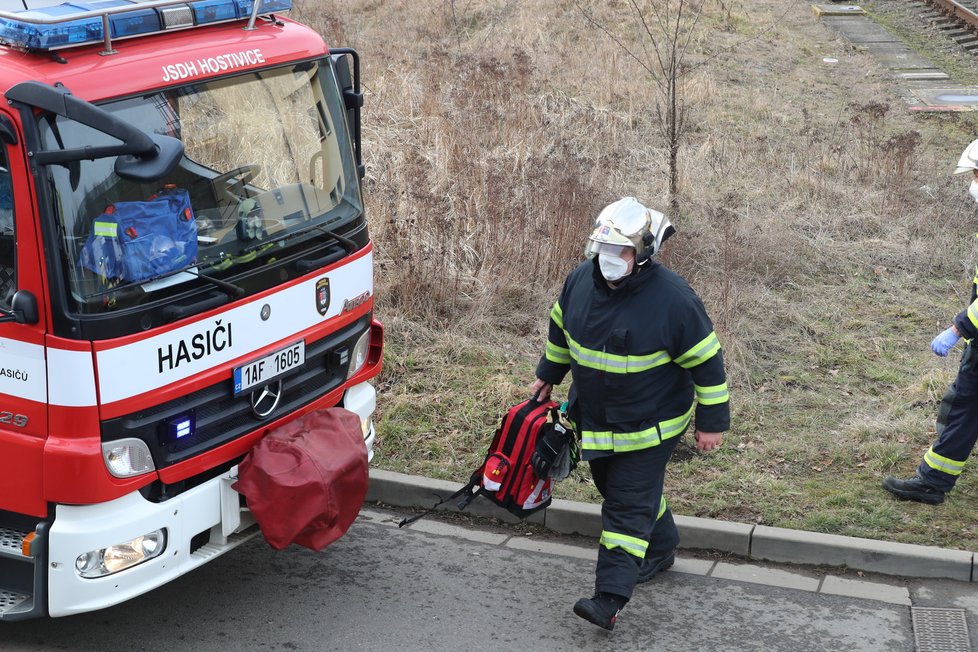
235	290
162	281
349	245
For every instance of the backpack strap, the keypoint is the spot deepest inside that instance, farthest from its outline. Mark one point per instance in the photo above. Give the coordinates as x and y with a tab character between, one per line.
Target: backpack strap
467	491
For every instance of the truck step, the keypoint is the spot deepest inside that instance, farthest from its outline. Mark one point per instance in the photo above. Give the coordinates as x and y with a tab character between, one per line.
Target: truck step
10	542
10	600
210	550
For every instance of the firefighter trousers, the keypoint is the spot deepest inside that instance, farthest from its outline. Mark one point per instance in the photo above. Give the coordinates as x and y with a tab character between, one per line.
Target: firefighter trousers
957	427
636	523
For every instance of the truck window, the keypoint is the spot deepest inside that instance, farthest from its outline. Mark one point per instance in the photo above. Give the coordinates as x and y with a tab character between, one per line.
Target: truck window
268	169
8	267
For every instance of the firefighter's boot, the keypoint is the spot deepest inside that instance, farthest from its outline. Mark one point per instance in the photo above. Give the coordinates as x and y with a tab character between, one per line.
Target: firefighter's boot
602	609
913	489
652	567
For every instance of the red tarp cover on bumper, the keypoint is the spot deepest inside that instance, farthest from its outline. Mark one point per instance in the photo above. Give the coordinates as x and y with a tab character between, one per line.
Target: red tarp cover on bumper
306	480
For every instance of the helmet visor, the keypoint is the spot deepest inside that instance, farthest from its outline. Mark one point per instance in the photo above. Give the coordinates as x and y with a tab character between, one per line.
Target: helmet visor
595	248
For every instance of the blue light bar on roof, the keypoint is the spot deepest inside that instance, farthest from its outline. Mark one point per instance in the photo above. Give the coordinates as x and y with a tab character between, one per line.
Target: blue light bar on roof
214	11
50	28
245	7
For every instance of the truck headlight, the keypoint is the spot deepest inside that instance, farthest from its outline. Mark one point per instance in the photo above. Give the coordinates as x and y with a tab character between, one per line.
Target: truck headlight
359	356
105	561
125	458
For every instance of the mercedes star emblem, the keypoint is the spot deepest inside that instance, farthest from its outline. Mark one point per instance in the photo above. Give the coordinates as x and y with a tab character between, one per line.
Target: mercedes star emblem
265	400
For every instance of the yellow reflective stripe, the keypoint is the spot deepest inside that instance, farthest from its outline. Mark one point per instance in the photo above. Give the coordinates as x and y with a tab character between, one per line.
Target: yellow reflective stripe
597	441
631	545
943	464
613	363
620	442
677	426
973	314
557	315
712	394
106	229
557	354
633	441
700	353
662	508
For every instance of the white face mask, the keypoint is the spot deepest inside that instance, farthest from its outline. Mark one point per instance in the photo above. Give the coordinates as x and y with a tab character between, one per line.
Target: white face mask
612	267
973	190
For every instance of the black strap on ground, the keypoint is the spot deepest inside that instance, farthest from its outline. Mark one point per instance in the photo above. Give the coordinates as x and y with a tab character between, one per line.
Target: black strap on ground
466	490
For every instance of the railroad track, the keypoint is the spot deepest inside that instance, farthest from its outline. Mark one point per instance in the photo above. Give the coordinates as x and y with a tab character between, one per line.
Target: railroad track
958	19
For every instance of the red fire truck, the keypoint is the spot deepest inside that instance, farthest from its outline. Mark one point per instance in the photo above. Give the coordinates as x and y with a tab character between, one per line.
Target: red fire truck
184	266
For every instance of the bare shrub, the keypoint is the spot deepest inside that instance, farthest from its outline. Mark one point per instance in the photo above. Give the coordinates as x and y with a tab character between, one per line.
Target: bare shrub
496	188
868	130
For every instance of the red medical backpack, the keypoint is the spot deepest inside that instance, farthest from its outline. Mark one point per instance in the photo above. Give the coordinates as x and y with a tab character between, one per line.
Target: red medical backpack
506	476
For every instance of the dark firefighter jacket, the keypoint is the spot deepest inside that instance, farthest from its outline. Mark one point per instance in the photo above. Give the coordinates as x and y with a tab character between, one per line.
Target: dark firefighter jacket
967	320
639	354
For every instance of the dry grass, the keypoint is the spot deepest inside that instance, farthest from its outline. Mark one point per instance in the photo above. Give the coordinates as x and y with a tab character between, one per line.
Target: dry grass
817	219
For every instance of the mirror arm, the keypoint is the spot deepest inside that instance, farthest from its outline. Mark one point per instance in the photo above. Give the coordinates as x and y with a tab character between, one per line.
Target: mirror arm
58	100
141	156
83	154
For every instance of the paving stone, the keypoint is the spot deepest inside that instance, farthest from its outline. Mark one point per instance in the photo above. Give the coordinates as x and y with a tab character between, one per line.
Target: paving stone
692	566
766	576
834	585
562	549
903	60
822	10
946	94
922	75
379	518
861	30
449	530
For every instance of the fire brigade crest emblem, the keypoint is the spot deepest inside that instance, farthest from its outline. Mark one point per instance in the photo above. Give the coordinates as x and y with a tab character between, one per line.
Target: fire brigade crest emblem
322	295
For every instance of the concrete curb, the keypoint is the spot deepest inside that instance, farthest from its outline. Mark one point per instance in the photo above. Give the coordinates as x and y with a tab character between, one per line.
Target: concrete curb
758	542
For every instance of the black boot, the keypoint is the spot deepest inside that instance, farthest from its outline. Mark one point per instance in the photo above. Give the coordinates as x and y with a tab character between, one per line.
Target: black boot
652	567
913	489
602	609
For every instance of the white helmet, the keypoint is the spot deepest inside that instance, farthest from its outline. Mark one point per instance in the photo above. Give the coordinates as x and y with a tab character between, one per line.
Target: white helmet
969	159
627	223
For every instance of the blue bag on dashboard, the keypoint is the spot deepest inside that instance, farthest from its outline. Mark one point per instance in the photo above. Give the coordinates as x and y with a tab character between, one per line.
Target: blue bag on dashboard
138	240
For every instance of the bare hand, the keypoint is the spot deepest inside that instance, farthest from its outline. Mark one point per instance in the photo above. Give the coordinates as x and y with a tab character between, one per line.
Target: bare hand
707	441
544	388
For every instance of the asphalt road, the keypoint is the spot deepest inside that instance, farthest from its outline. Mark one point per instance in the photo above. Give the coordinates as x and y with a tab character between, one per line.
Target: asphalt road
452	587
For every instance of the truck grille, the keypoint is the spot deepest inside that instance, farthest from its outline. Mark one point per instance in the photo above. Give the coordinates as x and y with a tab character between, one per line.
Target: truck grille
222	417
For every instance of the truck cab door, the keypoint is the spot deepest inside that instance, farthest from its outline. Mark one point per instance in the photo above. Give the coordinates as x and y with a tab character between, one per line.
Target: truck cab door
23	373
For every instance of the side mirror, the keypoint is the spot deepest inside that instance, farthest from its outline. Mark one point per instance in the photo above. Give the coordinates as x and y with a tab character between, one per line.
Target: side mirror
352	96
23	309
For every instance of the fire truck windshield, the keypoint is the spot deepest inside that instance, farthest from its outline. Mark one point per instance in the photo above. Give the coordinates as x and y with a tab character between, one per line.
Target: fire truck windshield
267	178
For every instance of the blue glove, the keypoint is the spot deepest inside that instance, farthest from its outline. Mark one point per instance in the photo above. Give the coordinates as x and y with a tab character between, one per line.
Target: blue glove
944	342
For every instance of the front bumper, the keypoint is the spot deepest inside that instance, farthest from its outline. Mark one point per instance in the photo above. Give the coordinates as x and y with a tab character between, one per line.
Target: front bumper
212	508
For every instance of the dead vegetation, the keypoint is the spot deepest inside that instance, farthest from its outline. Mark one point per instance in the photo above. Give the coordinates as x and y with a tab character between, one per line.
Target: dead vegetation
818	221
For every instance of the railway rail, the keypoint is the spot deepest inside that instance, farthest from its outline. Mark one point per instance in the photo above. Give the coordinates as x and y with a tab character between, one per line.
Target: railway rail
957	18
